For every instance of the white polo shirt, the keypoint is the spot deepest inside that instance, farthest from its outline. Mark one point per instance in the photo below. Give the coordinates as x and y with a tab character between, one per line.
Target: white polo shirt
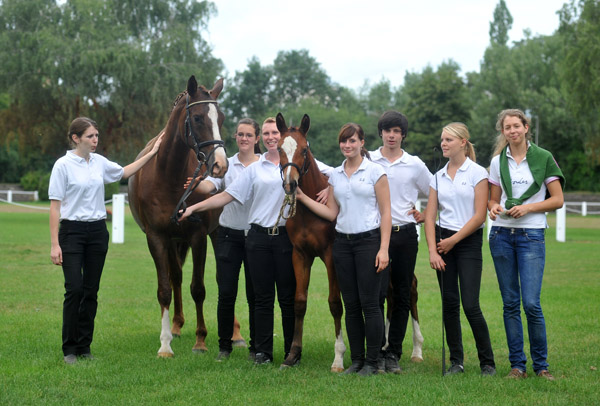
457	197
235	214
324	168
79	185
355	195
408	177
522	179
260	186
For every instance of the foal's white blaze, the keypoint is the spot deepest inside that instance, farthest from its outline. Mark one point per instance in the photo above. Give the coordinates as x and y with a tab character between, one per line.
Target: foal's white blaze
289	147
417	354
340	350
213	116
165	335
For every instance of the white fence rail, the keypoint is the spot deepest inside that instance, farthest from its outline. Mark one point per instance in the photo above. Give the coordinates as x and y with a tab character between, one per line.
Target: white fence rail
10	194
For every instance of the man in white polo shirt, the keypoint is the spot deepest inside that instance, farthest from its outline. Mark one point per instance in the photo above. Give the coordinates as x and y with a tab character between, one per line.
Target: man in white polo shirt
408	177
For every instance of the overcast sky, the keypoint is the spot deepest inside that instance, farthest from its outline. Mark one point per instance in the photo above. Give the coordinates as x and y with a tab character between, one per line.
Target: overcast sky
363	40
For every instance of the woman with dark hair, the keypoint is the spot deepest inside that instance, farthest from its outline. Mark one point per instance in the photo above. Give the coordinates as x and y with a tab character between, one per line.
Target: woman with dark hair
268	247
460	191
230	248
79	238
525	183
361	206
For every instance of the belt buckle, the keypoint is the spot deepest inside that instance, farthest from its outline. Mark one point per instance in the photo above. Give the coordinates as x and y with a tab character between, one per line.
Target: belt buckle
395	228
273	230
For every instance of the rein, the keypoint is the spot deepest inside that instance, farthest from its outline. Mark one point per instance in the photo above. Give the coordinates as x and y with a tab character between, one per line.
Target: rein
201	156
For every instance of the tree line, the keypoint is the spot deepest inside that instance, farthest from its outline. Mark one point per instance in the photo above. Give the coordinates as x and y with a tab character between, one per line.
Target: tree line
123	63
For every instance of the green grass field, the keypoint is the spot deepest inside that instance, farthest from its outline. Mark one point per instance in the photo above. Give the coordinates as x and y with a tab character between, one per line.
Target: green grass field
127	371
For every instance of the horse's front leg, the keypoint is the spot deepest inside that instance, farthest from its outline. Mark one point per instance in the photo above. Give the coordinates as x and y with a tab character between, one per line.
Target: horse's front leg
337	310
302	265
417	337
198	290
159	250
177	254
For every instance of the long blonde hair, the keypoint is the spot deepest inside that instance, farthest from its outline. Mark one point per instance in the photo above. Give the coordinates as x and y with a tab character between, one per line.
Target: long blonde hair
501	141
461	131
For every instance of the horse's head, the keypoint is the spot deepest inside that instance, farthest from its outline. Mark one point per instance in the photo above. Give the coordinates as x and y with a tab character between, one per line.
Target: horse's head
293	152
202	120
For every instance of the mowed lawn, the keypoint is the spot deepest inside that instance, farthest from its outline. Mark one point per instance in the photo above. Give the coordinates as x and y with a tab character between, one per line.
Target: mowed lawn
127	371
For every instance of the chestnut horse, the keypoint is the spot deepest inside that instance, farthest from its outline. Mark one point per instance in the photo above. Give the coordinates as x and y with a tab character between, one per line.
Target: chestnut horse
192	141
312	236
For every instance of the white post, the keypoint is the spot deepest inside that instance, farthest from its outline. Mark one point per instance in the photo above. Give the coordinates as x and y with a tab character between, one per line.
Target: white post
36	196
9	196
118	219
584	209
561	220
418	207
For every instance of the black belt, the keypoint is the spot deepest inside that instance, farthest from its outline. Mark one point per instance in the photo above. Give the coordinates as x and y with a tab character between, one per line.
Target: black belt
268	230
397	227
358	236
232	231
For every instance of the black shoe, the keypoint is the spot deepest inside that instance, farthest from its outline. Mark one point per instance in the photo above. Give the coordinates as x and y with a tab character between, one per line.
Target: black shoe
391	363
455	369
70	359
488	370
354	368
223	356
251	355
381	363
262	359
368	370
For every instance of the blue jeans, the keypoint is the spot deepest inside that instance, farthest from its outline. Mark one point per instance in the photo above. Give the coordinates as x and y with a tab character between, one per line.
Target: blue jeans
519	258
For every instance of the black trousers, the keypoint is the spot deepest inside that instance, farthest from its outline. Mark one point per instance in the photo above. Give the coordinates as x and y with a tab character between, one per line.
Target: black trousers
360	285
270	260
464	267
403	256
230	254
84	246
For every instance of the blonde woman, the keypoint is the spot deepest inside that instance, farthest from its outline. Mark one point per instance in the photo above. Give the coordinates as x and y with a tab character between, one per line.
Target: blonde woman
525	183
459	190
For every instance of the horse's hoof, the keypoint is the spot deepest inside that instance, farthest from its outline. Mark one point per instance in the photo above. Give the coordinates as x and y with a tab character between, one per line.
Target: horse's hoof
416	359
199	350
239	343
283	367
165	355
337	369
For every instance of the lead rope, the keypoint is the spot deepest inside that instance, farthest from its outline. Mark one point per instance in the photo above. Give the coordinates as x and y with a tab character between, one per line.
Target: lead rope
290	200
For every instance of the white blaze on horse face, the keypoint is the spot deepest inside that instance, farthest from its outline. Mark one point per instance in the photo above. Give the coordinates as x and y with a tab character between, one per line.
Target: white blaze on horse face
289	147
213	116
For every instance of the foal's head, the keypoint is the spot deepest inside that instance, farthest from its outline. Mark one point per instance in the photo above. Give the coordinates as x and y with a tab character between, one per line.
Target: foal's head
293	152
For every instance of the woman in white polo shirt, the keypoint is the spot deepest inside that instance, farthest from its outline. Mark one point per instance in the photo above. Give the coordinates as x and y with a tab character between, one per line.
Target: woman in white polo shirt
361	205
460	191
230	249
79	238
268	248
408	177
525	183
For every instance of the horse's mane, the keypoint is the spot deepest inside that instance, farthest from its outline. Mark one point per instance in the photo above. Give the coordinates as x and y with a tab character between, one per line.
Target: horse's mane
185	92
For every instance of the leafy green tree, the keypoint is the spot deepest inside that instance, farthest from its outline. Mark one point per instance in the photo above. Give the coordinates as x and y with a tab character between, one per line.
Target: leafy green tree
501	24
580	68
121	63
430	100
